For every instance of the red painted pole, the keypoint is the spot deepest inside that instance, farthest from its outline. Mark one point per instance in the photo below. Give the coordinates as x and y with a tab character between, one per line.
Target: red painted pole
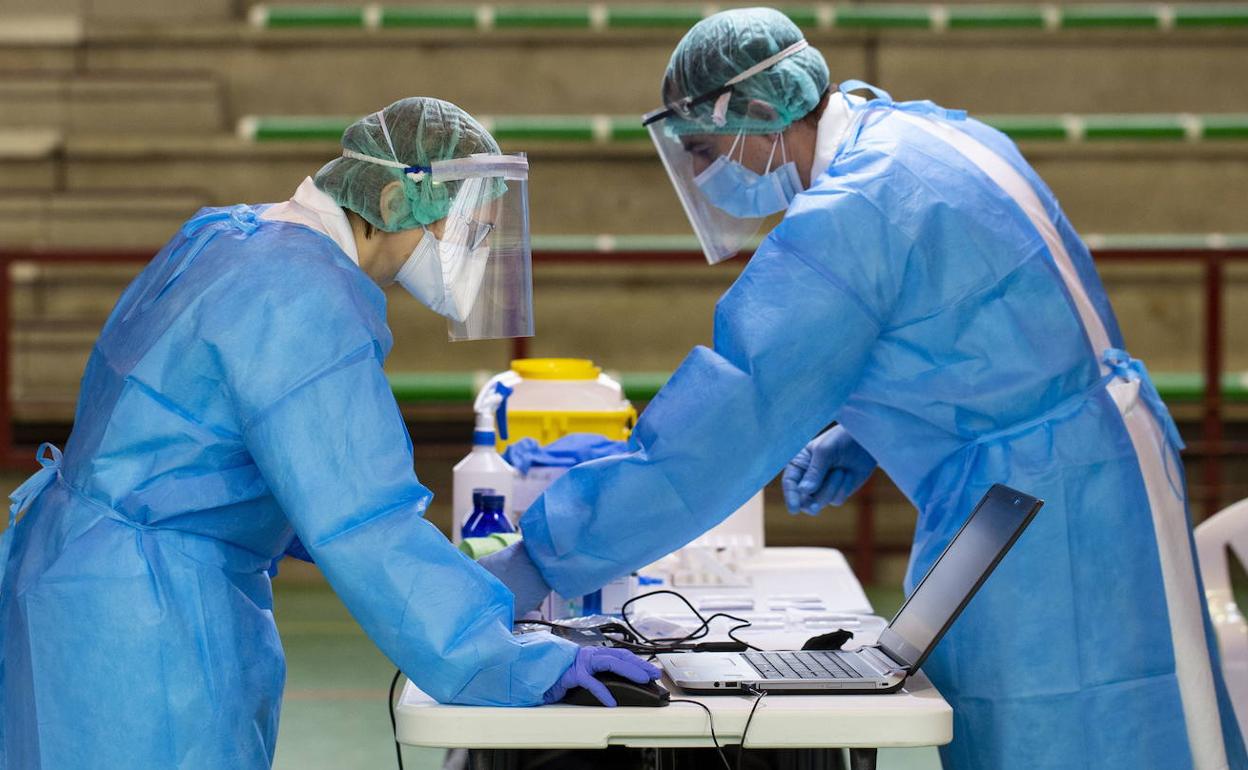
865	549
6	370
1212	429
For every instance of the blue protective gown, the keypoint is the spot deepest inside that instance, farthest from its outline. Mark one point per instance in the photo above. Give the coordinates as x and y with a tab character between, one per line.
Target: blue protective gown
235	398
928	293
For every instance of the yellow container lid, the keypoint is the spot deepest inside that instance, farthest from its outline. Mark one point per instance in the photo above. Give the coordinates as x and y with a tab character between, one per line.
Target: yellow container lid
556	369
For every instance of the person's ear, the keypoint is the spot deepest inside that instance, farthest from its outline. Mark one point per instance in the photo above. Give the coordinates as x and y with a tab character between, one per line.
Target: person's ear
758	110
393	203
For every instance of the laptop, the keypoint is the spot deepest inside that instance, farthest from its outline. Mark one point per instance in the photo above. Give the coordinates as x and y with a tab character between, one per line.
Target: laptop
989	532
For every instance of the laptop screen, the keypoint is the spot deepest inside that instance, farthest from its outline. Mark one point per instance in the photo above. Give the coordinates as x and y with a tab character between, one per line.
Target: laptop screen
988	533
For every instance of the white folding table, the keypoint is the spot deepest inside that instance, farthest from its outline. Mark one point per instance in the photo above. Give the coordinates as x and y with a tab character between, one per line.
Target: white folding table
914	716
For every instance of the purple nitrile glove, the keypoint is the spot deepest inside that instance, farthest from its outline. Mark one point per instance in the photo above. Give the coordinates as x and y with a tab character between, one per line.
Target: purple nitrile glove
827	471
595	660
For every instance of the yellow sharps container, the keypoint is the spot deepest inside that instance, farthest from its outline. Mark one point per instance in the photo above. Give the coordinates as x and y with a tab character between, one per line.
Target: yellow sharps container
552	397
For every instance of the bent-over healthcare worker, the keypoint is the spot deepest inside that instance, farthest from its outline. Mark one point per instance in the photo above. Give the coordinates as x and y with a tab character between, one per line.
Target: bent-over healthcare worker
235	400
925	291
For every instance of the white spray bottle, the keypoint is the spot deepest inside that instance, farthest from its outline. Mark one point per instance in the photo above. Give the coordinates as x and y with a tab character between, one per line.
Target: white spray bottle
483	467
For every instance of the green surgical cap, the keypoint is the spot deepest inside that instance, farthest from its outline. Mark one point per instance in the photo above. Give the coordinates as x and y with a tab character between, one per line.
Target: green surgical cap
422	130
728	43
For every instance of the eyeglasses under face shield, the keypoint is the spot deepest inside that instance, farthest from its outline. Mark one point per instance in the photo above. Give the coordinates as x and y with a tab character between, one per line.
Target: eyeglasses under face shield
485	246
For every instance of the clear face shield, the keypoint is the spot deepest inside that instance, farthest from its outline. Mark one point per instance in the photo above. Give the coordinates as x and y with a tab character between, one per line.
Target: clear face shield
726	203
483	254
704	183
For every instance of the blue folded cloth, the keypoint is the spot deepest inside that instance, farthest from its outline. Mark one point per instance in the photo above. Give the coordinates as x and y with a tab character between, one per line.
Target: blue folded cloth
572	449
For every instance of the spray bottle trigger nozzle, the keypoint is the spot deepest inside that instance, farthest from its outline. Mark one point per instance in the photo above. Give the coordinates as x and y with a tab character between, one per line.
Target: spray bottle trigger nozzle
500	414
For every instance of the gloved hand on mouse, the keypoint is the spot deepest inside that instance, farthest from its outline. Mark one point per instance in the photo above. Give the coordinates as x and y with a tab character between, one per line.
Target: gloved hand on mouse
596	660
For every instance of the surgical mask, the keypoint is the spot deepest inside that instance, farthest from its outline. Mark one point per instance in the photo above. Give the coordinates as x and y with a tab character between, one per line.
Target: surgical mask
446	277
743	193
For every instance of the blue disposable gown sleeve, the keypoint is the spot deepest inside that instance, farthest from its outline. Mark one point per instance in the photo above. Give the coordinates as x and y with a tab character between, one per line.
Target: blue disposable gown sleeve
792	337
337	457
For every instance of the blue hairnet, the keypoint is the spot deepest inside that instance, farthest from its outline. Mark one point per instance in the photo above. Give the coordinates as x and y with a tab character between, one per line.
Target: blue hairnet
422	130
730	42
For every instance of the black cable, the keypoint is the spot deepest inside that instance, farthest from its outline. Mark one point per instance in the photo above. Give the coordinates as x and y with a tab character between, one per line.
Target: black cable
624	611
638	643
701	631
741	751
710	718
394	725
629	643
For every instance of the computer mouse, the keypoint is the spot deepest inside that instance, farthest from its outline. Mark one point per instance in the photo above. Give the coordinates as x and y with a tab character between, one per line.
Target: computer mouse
625	691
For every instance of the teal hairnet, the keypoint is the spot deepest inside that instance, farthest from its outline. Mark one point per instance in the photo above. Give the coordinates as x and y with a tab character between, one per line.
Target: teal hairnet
728	43
423	130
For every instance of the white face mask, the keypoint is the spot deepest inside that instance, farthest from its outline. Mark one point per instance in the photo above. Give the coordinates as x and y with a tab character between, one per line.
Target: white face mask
444	277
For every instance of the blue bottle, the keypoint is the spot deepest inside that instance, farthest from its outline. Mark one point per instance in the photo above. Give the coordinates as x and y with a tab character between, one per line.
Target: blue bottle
488	516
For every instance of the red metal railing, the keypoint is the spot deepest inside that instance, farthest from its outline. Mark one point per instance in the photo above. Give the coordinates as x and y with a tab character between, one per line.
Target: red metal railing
1212	447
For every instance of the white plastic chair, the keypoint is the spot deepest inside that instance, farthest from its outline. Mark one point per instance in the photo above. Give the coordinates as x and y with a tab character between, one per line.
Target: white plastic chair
1226	531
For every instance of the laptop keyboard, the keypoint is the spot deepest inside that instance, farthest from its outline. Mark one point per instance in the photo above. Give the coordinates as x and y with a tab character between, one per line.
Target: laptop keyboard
817	664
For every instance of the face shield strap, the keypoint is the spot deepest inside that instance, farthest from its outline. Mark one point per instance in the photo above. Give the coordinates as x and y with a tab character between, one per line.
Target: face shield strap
723	94
415	173
381	118
720	115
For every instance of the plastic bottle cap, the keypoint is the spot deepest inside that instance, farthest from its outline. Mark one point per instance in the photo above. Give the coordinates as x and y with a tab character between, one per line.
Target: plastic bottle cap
493	502
483	438
556	369
478	498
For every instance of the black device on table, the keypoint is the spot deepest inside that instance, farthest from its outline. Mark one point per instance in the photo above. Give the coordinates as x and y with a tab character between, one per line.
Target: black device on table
988	534
625	691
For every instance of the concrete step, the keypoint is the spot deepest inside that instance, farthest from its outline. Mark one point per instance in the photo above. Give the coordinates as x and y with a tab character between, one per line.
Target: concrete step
1113	187
180	11
935	18
103	102
535	71
101	219
46	40
611	129
30	158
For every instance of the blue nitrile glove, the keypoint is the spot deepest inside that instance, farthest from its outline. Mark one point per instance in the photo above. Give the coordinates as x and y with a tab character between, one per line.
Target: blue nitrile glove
514	569
827	471
595	660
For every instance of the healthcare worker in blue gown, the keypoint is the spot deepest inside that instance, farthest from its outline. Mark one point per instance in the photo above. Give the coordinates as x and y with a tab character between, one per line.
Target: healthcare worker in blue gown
235	401
924	291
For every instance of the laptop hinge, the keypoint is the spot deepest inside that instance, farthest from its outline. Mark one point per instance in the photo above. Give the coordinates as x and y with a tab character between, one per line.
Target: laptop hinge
884	652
